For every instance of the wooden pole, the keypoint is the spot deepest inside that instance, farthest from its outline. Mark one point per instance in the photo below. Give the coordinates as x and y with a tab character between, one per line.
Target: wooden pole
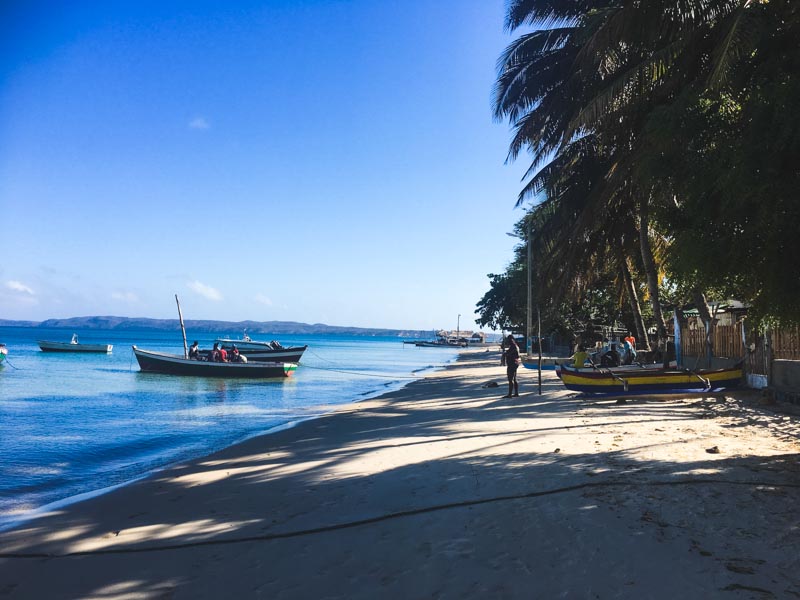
528	348
539	335
183	329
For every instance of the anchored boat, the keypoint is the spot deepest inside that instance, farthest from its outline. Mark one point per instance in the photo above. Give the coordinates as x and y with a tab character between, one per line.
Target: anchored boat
73	346
174	364
263	351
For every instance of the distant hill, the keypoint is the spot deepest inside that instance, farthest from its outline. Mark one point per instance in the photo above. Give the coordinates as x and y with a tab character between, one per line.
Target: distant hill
227	327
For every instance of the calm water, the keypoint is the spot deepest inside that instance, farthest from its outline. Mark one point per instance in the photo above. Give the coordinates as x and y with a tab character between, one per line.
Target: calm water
76	423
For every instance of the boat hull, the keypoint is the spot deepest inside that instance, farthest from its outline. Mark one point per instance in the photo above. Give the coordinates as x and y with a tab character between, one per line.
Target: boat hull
70	347
263	352
173	364
549	363
605	381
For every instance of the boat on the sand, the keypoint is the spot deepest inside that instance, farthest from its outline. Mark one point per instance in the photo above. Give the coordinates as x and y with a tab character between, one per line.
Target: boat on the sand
73	346
631	379
175	364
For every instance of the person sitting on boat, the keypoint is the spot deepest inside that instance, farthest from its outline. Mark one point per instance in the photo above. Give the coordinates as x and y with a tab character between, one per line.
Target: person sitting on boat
580	357
214	356
610	358
236	356
194	351
223	355
275	345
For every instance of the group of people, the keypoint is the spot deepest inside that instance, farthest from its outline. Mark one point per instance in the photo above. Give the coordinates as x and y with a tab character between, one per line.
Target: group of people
216	354
613	354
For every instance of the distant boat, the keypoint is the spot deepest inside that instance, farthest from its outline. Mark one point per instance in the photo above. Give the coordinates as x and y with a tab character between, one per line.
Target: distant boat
441	344
263	351
73	346
3	353
174	364
647	380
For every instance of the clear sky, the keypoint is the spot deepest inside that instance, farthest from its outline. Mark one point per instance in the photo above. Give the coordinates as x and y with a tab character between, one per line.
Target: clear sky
323	161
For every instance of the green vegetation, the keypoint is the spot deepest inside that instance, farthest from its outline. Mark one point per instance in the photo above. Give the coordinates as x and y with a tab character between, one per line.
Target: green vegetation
664	140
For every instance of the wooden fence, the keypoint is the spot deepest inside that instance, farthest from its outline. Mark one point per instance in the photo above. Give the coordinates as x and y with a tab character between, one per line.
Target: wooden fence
726	342
758	351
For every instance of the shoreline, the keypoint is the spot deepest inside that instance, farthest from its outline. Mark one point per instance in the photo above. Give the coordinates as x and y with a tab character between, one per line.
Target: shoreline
11	522
445	489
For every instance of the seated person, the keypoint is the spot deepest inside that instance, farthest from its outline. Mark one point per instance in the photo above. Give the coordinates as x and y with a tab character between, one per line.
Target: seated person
223	355
580	357
214	356
194	351
236	357
610	358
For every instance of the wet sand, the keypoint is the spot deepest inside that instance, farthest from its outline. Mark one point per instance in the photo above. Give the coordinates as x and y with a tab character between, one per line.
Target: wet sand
446	490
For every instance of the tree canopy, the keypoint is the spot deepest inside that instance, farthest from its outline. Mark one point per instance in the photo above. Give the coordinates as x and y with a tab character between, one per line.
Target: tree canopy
664	140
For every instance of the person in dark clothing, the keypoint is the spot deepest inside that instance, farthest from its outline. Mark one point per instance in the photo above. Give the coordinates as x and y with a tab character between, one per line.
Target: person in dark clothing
610	358
513	362
194	353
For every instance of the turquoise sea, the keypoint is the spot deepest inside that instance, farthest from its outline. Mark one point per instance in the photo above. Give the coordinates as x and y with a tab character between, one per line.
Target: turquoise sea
75	424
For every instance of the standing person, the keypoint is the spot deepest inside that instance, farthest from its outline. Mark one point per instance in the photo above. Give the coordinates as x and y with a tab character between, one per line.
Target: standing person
631	340
513	361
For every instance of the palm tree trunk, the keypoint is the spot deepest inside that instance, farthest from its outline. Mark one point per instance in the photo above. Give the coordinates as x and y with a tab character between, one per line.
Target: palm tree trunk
651	271
633	299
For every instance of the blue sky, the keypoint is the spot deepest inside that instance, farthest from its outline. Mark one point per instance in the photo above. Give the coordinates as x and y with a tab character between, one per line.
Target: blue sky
318	161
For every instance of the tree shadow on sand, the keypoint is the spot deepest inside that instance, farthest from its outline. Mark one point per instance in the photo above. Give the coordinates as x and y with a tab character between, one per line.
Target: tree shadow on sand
418	464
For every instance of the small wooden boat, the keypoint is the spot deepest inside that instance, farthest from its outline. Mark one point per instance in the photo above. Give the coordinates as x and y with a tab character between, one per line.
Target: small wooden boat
549	363
263	351
175	364
3	353
73	346
647	380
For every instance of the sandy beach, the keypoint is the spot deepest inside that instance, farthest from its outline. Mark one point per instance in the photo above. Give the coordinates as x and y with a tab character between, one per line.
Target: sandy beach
446	490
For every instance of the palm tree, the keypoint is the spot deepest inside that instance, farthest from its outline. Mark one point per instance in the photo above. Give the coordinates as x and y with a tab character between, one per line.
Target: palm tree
598	69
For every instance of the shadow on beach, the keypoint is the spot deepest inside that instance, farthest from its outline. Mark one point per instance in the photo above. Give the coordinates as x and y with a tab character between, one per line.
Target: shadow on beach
443	482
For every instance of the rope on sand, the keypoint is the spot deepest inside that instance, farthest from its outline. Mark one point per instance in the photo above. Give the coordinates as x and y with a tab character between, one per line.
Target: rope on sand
395	515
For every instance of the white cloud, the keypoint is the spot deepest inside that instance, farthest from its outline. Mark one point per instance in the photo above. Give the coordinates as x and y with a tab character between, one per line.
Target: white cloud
125	296
20	287
205	290
199	123
262	299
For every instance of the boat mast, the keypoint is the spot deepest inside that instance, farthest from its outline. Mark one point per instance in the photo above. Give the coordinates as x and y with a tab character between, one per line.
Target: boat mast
183	329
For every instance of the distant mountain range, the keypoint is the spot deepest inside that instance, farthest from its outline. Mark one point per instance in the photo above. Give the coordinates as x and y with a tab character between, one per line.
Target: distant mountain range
227	327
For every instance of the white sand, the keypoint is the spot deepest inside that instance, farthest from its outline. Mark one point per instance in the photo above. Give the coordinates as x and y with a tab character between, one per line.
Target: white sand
445	490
